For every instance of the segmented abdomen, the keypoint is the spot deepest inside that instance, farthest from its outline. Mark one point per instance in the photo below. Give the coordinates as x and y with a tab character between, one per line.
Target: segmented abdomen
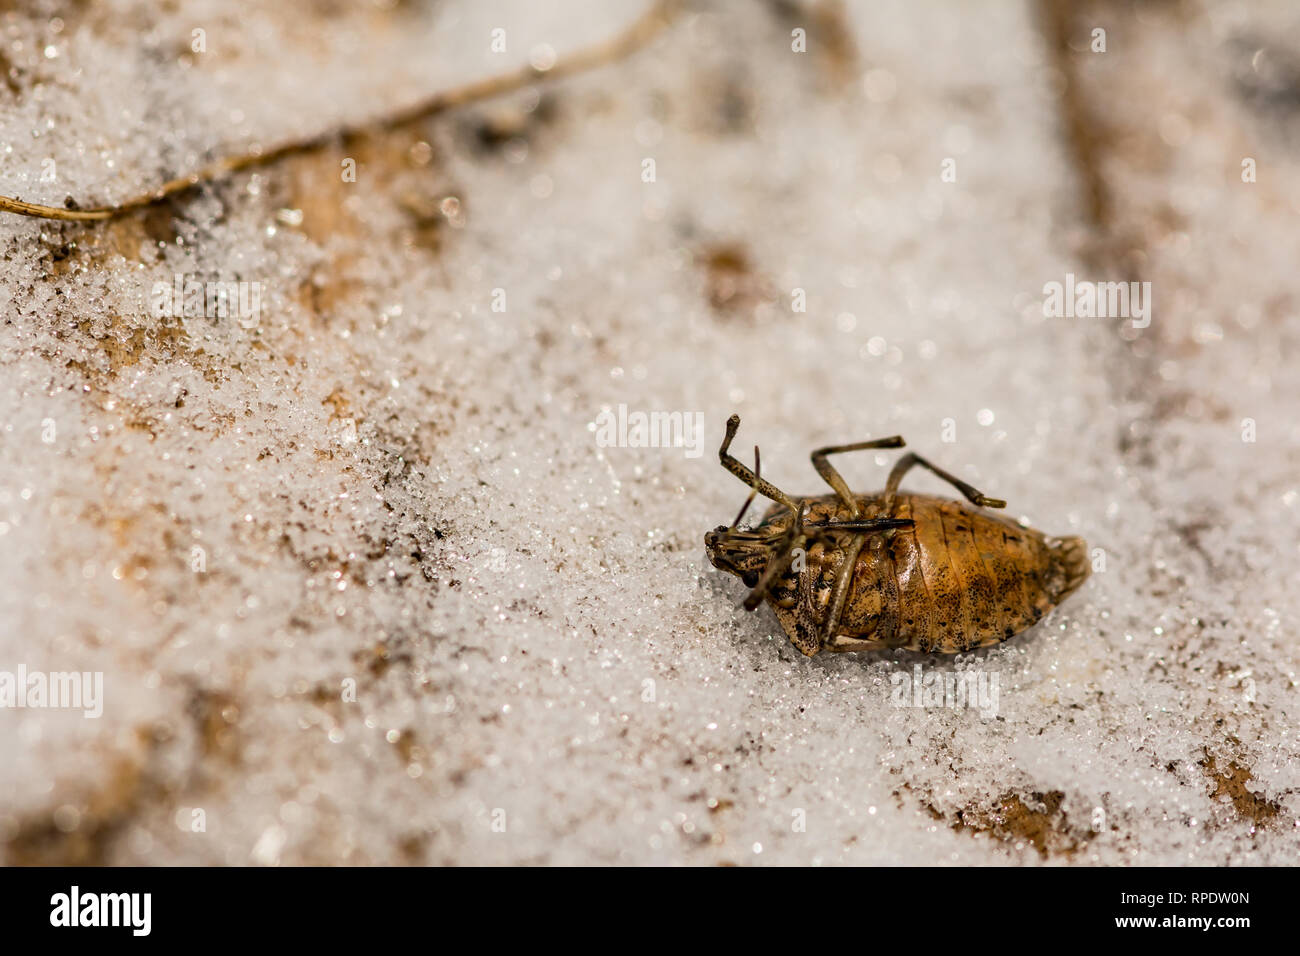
964	578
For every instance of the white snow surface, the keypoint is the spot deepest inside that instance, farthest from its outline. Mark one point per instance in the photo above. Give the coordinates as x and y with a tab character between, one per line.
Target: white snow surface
386	485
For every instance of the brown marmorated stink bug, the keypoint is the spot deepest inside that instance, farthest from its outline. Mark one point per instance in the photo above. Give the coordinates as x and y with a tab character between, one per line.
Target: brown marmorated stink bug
847	572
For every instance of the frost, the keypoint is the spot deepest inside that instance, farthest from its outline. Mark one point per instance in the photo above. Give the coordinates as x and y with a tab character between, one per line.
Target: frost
362	583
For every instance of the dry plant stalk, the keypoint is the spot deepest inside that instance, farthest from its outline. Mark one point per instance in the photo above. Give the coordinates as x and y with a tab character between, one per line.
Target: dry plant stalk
610	51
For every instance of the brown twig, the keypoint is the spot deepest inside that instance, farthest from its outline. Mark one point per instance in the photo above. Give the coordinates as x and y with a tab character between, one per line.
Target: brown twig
611	50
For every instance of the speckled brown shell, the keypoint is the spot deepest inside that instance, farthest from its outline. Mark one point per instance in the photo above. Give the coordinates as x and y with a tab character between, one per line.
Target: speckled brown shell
961	578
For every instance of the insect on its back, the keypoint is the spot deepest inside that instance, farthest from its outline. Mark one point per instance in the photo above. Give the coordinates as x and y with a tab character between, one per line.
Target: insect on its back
847	572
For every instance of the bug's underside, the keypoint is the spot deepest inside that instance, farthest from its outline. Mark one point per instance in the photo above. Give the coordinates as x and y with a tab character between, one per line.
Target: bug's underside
848	572
959	579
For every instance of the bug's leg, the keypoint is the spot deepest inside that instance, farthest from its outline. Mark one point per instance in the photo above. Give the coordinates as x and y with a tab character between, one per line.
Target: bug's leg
734	465
974	495
843	577
835	479
775	568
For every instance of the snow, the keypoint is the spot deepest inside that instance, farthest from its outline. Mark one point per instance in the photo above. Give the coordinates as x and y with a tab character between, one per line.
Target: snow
383	485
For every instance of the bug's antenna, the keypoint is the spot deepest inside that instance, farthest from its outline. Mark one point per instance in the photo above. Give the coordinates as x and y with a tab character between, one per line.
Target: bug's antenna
750	500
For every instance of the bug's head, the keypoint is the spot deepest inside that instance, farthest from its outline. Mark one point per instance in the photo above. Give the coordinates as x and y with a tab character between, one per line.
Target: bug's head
742	552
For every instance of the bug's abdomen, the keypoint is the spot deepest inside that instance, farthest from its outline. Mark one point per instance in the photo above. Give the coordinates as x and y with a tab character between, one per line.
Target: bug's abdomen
965	579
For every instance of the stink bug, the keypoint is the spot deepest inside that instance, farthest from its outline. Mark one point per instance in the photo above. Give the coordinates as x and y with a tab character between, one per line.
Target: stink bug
847	572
